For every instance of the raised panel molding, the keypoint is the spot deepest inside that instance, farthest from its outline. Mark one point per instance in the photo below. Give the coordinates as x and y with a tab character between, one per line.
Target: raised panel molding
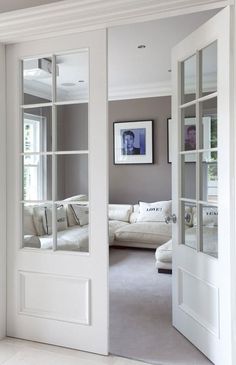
70	301
201	303
72	16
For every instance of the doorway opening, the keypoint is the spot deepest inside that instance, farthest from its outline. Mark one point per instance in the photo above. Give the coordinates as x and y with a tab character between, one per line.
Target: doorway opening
140	190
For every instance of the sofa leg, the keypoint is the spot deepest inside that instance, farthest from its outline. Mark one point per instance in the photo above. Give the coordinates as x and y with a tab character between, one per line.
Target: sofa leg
164	271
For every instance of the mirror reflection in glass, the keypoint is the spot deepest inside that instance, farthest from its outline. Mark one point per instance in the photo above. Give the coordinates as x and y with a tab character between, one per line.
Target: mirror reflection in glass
73	225
37	177
189	129
189	233
209	176
189	79
72	175
37	80
72	127
209	69
73	76
35	226
189	176
209	230
37	130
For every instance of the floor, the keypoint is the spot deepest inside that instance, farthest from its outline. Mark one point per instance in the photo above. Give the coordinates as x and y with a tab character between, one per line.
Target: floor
19	352
140	312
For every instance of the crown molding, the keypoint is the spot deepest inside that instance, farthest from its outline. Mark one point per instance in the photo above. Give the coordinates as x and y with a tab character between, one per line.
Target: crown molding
140	91
70	16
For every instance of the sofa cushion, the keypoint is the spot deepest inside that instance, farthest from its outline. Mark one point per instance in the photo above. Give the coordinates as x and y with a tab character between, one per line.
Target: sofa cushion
69	211
61	219
29	227
120	212
164	252
154	212
81	214
148	232
113	227
38	214
72	239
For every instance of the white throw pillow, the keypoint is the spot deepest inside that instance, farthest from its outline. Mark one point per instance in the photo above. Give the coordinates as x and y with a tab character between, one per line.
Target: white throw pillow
120	212
29	227
209	217
81	214
38	214
61	219
154	212
70	214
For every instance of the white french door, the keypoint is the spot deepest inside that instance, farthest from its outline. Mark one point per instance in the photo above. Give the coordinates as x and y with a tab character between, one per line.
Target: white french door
201	188
57	196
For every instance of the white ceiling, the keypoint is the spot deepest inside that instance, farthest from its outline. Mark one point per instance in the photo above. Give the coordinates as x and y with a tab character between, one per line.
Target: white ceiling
133	72
9	5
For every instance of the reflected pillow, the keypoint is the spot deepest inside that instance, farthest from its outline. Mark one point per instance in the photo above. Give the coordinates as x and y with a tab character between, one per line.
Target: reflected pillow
209	216
154	212
38	214
70	214
61	219
81	214
29	227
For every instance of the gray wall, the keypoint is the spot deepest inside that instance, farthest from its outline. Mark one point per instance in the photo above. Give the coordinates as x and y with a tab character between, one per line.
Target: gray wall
131	183
127	184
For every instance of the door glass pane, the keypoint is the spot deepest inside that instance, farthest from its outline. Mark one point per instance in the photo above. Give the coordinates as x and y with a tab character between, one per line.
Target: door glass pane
209	230
37	80
73	226
189	236
37	177
209	177
73	76
72	127
209	69
35	226
189	79
189	137
189	176
208	123
37	130
72	176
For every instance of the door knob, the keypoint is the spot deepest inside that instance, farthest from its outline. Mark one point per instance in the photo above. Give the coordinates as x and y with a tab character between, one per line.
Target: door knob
171	219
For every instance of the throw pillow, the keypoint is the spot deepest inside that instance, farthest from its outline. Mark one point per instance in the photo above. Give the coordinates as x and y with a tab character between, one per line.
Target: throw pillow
81	214
29	227
209	216
61	219
154	212
70	214
38	214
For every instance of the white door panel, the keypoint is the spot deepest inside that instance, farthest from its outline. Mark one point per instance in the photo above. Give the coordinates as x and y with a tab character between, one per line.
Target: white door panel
202	245
59	295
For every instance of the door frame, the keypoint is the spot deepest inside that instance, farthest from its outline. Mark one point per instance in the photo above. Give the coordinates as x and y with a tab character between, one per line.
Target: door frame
29	24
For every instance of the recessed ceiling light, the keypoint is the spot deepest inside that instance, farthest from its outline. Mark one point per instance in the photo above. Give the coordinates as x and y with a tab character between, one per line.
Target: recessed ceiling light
141	46
68	84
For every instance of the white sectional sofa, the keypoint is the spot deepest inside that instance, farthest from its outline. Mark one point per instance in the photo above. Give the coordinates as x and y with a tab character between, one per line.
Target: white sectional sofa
127	226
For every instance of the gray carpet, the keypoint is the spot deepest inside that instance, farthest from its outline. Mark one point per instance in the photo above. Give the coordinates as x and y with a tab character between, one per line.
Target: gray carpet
140	312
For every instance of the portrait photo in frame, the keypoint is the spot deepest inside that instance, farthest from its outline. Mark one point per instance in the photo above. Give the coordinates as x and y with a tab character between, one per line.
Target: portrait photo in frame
133	142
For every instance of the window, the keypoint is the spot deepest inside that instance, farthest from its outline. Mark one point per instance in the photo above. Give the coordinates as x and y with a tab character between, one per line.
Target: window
35	171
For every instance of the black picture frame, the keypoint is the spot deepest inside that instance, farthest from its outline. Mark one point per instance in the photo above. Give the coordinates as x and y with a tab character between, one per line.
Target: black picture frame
133	142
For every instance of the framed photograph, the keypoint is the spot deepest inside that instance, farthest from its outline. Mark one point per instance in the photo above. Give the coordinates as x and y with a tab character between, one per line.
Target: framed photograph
190	136
133	142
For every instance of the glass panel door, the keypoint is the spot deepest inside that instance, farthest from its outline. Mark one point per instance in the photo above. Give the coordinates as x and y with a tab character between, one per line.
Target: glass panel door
198	154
